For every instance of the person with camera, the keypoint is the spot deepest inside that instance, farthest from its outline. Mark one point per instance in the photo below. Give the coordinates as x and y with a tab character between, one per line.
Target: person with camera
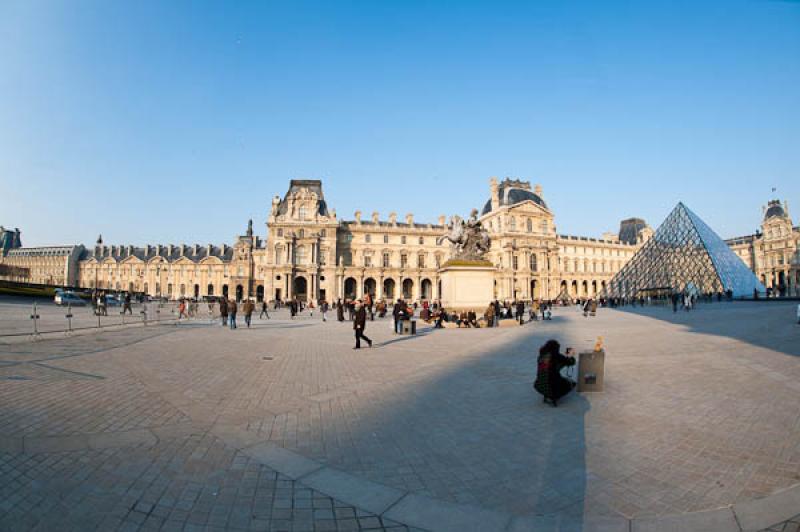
549	381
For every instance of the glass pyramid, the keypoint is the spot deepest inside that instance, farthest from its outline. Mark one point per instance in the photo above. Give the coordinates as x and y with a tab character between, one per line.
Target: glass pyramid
686	256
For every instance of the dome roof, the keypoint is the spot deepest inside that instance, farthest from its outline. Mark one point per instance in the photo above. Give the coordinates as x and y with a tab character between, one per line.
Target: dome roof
774	208
511	193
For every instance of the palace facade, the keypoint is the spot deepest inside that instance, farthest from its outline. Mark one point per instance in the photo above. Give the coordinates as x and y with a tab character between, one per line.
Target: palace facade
309	253
773	253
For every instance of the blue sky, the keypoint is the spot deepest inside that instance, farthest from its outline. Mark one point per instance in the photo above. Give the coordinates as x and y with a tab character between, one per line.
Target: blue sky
177	121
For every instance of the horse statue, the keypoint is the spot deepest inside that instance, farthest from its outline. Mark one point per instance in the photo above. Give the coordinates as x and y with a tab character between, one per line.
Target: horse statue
456	234
469	240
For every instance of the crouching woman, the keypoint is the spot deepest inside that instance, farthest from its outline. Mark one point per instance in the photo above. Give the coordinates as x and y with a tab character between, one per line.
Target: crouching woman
549	381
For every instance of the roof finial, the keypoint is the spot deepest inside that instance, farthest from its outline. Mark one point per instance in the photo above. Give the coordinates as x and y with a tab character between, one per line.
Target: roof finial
99	240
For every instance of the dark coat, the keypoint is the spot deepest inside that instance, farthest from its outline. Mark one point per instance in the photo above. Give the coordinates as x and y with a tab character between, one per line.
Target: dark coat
360	321
549	381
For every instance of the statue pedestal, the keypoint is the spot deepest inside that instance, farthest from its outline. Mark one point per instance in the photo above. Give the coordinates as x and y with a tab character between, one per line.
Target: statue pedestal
467	285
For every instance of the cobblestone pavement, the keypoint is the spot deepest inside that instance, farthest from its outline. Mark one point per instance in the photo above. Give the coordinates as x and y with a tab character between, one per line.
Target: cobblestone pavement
154	427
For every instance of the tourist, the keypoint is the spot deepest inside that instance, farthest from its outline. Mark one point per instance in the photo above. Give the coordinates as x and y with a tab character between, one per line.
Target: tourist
438	316
126	304
359	324
264	310
311	308
339	310
223	310
323	309
232	308
496	321
396	311
247	309
549	381
472	319
292	308
521	312
182	310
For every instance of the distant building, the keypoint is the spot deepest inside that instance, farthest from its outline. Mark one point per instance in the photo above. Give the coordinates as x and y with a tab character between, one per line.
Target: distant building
309	253
773	253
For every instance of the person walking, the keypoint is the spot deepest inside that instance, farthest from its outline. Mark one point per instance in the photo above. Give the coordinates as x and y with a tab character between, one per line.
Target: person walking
182	310
248	307
521	312
263	310
223	310
359	323
126	304
232	309
323	309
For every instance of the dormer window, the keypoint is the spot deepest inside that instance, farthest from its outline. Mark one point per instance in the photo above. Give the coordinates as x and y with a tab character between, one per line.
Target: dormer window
302	212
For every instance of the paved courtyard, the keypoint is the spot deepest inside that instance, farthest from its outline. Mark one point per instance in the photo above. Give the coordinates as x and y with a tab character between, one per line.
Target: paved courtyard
285	427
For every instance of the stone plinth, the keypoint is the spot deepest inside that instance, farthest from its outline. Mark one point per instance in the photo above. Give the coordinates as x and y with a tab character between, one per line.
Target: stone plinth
467	285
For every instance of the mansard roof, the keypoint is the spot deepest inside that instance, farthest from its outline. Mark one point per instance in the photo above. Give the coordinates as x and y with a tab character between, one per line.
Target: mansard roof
313	185
512	192
774	208
194	253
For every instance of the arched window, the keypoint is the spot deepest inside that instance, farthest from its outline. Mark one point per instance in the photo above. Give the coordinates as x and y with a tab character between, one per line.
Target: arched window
533	262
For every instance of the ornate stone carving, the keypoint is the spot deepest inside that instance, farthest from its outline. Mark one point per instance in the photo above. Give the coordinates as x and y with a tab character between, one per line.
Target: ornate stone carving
468	239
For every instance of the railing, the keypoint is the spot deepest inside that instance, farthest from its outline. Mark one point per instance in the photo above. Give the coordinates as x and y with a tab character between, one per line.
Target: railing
51	319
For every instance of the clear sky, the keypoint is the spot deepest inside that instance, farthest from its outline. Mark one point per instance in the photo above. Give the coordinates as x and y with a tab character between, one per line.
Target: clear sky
159	122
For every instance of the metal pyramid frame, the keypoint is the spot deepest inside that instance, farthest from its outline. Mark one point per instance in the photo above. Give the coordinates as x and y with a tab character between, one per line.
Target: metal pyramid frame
684	256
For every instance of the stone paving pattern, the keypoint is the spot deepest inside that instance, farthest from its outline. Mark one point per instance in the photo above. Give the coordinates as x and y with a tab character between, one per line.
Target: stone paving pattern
125	429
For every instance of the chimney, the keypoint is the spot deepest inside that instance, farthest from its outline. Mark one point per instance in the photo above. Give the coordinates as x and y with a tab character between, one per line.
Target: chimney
393	218
357	214
410	219
130	250
209	249
442	219
169	250
158	249
375	217
495	189
538	190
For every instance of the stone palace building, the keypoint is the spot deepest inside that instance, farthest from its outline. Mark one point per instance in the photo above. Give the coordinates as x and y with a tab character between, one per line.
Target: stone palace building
308	252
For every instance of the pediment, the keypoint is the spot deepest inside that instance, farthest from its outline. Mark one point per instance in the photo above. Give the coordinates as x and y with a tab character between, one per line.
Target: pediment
529	207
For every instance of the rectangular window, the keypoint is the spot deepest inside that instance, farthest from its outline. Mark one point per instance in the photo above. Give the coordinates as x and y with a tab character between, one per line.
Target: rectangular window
385	239
421	260
515	262
280	231
403	239
367	261
421	241
403	260
385	260
368	238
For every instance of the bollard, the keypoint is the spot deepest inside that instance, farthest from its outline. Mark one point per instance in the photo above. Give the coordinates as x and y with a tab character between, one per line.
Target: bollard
35	318
69	318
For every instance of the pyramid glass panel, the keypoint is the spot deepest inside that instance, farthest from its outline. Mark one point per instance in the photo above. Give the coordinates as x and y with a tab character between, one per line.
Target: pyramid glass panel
685	256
